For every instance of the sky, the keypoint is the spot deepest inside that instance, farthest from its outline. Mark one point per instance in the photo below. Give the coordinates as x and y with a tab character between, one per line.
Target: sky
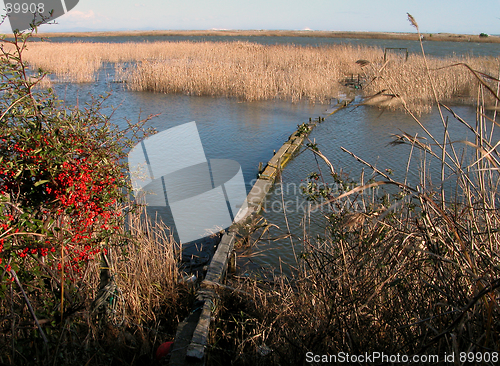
433	16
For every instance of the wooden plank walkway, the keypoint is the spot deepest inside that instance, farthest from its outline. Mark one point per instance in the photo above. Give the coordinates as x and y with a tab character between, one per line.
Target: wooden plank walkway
192	334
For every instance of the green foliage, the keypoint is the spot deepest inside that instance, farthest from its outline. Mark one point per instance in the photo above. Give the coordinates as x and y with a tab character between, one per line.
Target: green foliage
303	130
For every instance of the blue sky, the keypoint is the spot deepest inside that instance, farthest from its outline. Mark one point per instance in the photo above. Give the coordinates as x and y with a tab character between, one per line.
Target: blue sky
455	16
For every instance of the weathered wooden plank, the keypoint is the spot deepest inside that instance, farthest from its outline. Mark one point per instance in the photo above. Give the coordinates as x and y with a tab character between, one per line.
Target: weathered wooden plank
183	337
194	353
218	265
274	160
196	348
258	193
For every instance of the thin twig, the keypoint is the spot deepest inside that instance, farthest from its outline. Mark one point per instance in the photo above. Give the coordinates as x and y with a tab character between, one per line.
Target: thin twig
13	273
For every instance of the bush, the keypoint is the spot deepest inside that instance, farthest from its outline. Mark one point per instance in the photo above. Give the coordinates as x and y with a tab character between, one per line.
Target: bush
63	206
61	180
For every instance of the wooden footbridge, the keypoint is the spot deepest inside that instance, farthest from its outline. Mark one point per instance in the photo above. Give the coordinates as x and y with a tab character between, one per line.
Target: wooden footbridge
192	334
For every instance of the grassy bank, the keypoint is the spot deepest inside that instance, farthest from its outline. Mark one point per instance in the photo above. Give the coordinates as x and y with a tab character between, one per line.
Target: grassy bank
251	71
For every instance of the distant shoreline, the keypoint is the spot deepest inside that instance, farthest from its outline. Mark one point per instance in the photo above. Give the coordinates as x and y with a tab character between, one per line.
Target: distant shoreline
443	37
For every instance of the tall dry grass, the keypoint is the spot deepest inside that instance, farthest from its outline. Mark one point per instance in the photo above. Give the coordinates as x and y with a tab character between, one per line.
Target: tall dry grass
65	63
80	62
146	269
251	71
121	310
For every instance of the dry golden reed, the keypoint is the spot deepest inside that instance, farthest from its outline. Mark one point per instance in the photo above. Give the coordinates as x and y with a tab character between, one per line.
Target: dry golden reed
143	269
65	61
148	274
251	71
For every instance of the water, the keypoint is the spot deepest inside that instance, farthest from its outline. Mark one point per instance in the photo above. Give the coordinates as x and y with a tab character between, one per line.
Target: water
367	133
248	132
229	129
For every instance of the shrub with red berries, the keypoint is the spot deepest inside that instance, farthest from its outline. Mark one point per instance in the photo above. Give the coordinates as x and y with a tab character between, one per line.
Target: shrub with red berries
62	176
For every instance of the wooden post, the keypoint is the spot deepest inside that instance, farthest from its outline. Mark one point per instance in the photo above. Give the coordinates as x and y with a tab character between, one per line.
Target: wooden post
232	262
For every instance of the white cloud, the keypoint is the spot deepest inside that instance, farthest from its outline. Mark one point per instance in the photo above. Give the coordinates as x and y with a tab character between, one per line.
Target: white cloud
80	15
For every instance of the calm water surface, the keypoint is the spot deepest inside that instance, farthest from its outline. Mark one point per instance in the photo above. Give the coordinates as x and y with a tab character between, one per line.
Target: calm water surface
366	133
248	132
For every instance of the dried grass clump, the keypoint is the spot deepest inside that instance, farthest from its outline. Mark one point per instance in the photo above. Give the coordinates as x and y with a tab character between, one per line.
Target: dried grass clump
123	308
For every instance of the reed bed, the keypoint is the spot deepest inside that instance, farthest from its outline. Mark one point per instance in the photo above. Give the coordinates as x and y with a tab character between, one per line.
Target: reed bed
66	64
409	81
251	71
